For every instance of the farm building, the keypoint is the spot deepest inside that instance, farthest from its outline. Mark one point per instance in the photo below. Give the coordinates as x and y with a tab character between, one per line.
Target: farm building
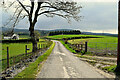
11	36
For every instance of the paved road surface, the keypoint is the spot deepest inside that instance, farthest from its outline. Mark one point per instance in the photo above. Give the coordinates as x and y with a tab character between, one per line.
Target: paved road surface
63	64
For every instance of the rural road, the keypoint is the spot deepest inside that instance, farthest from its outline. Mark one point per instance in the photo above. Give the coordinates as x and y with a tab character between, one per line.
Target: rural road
63	64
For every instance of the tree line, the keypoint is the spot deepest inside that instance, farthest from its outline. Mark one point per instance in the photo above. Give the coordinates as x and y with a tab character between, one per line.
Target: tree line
64	32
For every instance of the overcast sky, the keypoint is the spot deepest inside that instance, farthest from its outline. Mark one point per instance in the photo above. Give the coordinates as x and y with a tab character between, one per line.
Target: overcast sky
97	17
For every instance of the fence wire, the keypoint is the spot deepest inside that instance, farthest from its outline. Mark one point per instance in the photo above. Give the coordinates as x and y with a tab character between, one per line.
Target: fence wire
103	48
25	57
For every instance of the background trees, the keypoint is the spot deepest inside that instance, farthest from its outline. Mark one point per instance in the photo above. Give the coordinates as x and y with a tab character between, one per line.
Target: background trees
64	32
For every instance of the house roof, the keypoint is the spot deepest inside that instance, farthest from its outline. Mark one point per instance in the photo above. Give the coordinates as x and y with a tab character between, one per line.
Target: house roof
9	34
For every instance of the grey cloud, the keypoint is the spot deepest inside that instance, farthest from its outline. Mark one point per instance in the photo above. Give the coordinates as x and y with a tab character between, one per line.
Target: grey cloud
97	16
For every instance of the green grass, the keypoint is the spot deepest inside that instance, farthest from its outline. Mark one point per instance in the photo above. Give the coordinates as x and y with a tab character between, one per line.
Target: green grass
24	36
32	68
104	39
109	68
69	36
70	49
17	48
100	43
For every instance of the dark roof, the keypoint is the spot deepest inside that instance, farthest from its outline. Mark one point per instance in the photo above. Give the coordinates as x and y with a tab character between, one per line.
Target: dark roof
9	34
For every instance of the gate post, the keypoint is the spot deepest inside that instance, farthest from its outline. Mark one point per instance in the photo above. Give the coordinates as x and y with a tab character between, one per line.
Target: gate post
26	50
85	46
39	46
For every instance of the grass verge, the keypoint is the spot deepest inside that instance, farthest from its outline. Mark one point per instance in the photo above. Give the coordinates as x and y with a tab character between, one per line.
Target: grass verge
32	69
109	68
70	49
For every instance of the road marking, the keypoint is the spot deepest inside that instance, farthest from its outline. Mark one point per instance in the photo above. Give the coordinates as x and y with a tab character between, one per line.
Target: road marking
62	53
60	58
59	53
65	73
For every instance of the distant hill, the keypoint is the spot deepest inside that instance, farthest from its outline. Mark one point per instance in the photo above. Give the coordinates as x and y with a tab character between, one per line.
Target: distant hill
45	32
105	34
26	31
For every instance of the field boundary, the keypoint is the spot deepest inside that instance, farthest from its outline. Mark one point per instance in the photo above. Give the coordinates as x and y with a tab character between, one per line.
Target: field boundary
9	62
34	68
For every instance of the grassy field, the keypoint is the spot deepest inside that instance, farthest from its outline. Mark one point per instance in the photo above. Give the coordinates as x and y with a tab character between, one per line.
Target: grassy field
17	48
105	39
100	43
69	36
33	68
70	49
24	36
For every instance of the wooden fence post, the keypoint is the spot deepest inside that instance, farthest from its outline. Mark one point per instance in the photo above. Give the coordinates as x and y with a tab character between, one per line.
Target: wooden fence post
26	49
85	46
13	60
81	46
7	57
44	46
39	46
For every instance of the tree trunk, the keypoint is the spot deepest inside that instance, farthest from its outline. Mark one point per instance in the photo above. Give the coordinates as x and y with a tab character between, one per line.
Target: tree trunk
33	39
118	54
34	43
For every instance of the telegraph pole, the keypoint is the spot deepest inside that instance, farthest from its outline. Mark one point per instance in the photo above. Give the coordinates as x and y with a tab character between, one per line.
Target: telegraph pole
118	54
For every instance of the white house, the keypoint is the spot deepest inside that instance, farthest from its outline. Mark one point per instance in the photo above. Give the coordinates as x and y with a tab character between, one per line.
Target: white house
11	36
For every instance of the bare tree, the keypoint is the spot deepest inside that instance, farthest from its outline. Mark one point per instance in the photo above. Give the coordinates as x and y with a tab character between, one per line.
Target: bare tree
65	9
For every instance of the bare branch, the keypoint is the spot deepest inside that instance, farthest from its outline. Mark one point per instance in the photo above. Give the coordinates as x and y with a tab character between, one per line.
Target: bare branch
36	12
17	17
31	11
23	7
48	12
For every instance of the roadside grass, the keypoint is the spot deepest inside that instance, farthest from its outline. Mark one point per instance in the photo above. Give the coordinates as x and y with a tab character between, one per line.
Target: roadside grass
70	49
109	68
93	61
32	69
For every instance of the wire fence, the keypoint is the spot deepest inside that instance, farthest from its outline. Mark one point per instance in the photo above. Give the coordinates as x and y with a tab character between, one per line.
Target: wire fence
78	47
27	56
102	48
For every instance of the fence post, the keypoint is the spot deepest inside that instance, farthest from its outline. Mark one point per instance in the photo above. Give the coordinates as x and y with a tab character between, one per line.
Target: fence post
85	46
39	46
7	57
26	49
81	46
13	60
43	46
